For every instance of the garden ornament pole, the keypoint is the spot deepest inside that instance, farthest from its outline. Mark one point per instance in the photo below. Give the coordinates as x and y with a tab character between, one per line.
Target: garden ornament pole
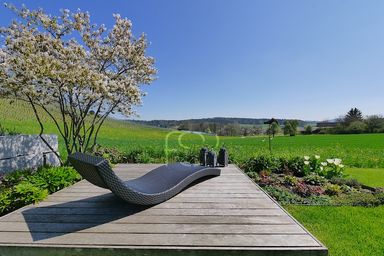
270	122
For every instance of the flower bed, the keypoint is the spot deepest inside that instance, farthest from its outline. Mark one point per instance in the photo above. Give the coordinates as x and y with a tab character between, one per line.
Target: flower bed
308	180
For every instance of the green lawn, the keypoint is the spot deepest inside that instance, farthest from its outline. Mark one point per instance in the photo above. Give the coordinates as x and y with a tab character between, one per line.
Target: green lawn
368	176
344	230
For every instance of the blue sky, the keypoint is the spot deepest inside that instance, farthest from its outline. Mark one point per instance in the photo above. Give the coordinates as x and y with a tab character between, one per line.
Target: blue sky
304	59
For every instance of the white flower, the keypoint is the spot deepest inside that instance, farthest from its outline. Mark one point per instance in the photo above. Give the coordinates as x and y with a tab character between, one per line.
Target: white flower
337	161
324	163
341	166
317	157
321	168
330	161
306	158
306	162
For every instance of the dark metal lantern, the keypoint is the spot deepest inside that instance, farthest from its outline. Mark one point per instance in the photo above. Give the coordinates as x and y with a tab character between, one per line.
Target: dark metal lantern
211	159
270	121
222	158
203	156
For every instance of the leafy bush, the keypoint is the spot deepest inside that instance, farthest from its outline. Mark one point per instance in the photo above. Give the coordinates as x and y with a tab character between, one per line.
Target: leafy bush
290	180
253	175
14	178
113	155
25	187
296	165
318	200
26	193
5	200
283	196
306	190
360	199
331	168
54	178
332	189
261	163
349	182
380	196
265	179
315	179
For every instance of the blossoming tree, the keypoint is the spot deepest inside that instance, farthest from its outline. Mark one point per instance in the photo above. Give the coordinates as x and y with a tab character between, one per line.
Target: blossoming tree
83	70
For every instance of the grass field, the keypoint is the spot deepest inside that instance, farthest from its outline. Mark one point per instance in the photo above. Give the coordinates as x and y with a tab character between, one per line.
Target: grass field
364	150
368	176
344	230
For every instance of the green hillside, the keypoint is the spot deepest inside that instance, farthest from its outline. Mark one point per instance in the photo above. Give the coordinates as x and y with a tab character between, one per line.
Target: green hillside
362	150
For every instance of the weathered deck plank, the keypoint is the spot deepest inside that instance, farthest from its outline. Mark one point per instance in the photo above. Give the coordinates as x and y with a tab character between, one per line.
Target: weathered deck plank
225	214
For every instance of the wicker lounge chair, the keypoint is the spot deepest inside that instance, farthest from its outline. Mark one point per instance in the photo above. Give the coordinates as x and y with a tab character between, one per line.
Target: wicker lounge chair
154	187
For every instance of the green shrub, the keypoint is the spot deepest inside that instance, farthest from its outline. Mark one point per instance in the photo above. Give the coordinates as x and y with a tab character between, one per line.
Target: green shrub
290	180
13	178
380	196
318	200
283	196
360	199
25	187
261	163
5	200
26	193
332	189
22	194
54	178
315	179
296	165
113	155
253	175
332	168
349	182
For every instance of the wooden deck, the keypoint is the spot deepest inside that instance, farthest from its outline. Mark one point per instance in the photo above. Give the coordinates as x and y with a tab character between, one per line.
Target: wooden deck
226	215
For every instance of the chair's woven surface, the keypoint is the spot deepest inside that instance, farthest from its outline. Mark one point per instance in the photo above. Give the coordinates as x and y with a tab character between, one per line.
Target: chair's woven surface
86	165
154	187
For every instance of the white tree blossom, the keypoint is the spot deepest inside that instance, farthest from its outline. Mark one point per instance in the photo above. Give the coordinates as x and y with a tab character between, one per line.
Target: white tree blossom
84	70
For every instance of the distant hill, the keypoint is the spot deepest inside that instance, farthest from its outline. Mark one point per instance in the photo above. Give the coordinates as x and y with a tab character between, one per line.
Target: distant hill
217	120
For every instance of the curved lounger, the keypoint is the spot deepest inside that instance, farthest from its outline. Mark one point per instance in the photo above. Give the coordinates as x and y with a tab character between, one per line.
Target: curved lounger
154	187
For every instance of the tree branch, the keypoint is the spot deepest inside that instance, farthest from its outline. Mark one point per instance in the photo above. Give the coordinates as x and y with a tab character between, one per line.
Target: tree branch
42	130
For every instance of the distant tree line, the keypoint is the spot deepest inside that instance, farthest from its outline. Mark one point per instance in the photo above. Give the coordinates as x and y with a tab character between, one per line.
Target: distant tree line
290	128
355	122
249	123
231	129
352	122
